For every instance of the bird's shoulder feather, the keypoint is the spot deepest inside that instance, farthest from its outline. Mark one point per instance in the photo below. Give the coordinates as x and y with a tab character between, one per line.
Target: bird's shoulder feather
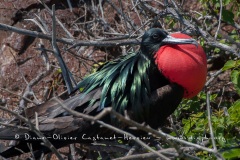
124	82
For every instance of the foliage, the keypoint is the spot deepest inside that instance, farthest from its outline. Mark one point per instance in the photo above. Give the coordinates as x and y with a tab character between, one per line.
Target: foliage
235	72
225	120
225	117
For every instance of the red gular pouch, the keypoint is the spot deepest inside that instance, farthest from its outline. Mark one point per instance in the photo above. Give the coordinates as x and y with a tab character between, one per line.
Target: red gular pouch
184	64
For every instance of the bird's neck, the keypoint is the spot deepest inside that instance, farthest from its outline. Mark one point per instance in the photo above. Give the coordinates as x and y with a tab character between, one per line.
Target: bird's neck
149	55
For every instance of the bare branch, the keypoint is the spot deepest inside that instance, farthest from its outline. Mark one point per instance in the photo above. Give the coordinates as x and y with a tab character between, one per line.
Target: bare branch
73	42
219	20
35	130
211	129
93	119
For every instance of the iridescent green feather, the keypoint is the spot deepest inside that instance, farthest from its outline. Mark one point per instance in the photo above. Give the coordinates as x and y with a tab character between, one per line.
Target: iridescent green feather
124	82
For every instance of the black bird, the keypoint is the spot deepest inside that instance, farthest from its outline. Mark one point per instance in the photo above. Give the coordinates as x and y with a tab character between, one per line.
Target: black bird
141	83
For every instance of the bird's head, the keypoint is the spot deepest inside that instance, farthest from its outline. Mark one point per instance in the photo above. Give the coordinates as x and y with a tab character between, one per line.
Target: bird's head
178	57
154	38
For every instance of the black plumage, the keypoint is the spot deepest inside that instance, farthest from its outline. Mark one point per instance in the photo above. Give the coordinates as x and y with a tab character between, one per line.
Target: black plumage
132	83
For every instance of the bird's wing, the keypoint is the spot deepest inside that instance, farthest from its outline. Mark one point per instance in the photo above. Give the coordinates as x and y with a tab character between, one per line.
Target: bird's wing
53	120
52	108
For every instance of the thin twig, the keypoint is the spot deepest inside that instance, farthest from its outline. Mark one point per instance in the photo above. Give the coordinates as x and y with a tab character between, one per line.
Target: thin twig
70	5
28	89
25	98
168	151
210	122
219	20
13	126
122	14
65	71
38	24
211	128
220	101
31	150
124	17
58	21
213	76
73	152
36	121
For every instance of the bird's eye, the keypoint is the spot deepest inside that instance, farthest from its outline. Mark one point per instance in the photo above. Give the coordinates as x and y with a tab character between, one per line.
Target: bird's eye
155	36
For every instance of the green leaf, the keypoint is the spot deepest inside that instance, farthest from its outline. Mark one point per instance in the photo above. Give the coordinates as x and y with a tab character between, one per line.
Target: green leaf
226	2
228	16
216	50
202	42
236	105
235	77
59	70
234	112
233	153
229	64
217	4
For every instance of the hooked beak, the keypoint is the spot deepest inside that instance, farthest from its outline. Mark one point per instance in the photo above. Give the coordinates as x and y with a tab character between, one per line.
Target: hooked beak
172	40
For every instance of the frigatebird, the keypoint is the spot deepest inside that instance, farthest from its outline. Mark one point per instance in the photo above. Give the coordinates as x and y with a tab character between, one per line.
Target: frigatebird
173	66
